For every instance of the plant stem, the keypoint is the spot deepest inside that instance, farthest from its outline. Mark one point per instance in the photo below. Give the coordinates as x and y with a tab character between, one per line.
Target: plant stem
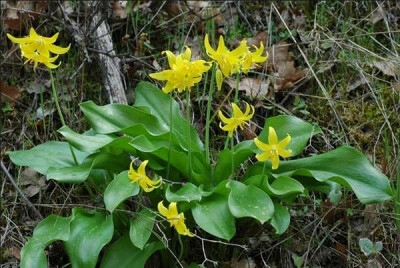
189	136
43	111
263	173
236	99
397	201
170	138
207	135
232	158
60	113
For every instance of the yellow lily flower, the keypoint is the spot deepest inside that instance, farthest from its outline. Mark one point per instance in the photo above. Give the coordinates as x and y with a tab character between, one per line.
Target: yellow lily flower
253	57
37	48
238	119
228	61
184	73
273	149
140	176
175	219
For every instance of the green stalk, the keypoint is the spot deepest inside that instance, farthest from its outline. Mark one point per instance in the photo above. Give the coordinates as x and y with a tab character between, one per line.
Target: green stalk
188	130
263	173
232	158
208	115
43	111
236	99
53	87
170	138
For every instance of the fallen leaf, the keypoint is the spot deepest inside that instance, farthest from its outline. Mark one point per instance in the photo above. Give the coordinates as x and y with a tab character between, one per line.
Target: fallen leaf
18	11
13	252
253	87
9	94
355	83
388	67
257	39
119	9
33	181
396	86
40	114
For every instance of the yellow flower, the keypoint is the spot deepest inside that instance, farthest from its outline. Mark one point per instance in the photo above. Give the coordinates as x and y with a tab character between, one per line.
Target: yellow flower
228	61
175	219
140	176
253	57
273	149
184	73
37	48
238	119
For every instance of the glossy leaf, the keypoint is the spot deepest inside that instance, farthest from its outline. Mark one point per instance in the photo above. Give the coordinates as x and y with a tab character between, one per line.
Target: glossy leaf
280	219
123	254
50	229
90	231
188	192
141	227
284	185
249	201
118	190
50	154
346	166
212	214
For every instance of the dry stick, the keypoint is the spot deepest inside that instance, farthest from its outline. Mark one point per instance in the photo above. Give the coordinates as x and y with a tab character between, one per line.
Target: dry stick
330	101
8	175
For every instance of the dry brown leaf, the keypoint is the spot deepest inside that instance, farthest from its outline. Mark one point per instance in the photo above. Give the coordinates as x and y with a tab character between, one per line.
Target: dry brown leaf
253	87
8	93
257	39
396	87
355	83
388	67
33	180
17	11
119	9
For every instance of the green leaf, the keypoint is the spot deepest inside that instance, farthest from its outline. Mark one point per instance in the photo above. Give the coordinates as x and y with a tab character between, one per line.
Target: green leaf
118	190
50	229
188	192
158	102
249	201
123	254
90	231
92	143
366	246
142	227
32	254
212	214
299	130
280	219
50	154
346	166
76	174
284	185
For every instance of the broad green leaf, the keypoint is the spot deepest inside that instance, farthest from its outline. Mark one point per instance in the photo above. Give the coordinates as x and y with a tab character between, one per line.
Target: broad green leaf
188	192
90	231
299	130
249	201
158	102
118	190
50	229
346	166
50	154
114	117
93	142
284	185
76	174
32	254
212	214
142	227
123	254
280	219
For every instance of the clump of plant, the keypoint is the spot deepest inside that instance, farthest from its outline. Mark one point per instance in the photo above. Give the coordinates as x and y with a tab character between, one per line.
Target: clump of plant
150	152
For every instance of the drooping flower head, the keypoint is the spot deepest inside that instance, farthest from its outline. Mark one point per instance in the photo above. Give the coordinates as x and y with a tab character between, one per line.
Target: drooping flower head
184	74
175	219
273	149
252	58
228	61
140	177
37	48
238	119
